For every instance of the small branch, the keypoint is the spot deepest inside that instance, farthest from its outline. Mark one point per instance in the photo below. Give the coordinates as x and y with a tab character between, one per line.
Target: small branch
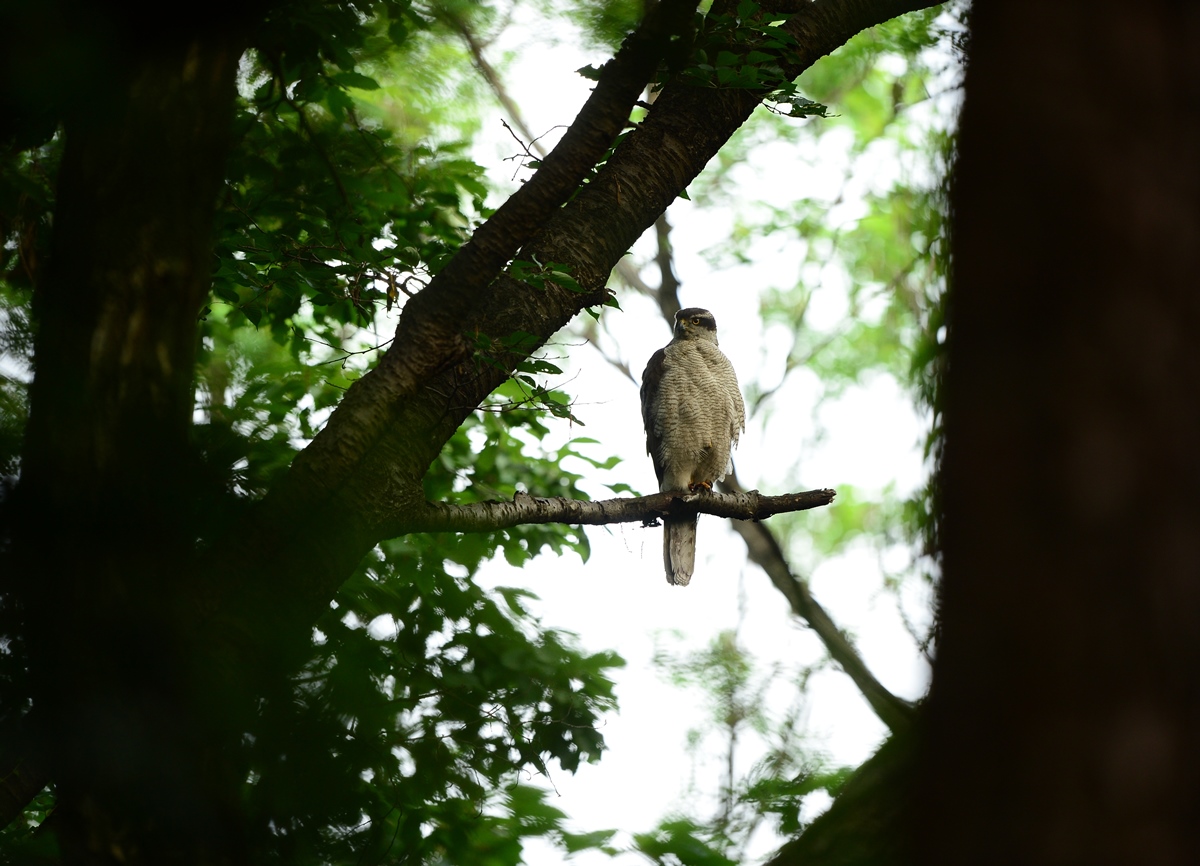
765	552
495	82
591	333
631	276
349	352
523	509
668	285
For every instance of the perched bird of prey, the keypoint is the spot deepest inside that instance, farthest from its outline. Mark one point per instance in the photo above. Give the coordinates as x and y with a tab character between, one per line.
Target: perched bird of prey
693	411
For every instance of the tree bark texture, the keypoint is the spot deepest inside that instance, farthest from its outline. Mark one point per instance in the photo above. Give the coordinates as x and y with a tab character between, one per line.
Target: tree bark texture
120	726
1066	691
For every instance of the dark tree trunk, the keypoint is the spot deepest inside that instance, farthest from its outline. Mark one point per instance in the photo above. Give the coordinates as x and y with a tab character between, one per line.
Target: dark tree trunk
107	463
1066	696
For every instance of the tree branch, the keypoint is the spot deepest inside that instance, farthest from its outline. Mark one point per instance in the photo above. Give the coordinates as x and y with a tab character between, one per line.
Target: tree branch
668	283
492	77
523	508
361	477
765	552
355	463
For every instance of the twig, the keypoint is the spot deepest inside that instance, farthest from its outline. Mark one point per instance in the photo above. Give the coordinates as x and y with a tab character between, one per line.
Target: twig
349	352
308	130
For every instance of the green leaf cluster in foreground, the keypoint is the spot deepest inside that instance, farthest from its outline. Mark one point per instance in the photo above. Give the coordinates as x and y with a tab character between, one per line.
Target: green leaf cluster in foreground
435	694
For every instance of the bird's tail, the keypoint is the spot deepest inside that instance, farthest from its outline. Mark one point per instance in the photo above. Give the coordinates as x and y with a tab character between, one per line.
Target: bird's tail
679	549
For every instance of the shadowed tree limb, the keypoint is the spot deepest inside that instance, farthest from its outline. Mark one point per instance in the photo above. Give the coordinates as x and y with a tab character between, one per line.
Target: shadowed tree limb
668	285
625	269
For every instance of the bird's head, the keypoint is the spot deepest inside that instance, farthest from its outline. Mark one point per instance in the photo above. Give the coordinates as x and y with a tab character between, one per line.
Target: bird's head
695	324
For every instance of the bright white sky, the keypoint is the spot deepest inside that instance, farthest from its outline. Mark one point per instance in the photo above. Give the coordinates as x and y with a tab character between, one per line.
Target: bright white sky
620	599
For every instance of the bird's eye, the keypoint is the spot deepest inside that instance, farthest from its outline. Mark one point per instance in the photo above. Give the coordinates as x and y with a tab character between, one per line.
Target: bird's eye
696	321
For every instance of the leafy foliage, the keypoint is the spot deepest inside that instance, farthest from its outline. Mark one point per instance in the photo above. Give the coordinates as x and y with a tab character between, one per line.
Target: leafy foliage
599	24
435	692
423	697
774	789
328	214
746	48
26	202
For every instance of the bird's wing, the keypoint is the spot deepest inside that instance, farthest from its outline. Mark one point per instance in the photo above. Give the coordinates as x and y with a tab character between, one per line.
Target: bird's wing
739	408
651	380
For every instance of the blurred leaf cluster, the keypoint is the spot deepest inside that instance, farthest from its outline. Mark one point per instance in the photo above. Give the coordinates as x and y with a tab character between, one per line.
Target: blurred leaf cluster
734	685
424	700
745	47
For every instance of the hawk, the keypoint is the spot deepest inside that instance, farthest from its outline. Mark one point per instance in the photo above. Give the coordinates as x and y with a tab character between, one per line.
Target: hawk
693	411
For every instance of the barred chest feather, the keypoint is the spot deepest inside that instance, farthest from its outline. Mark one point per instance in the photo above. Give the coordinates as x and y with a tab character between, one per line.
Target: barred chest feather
699	414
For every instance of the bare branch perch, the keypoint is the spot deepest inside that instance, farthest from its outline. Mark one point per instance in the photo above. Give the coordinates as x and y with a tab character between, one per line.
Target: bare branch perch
524	508
764	551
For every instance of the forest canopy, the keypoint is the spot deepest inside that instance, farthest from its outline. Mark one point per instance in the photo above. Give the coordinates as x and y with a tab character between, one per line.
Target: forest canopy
272	336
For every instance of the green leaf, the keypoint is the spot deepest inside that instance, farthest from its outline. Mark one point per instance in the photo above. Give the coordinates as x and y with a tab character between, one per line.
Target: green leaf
397	31
565	280
746	9
599	839
727	59
356	79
